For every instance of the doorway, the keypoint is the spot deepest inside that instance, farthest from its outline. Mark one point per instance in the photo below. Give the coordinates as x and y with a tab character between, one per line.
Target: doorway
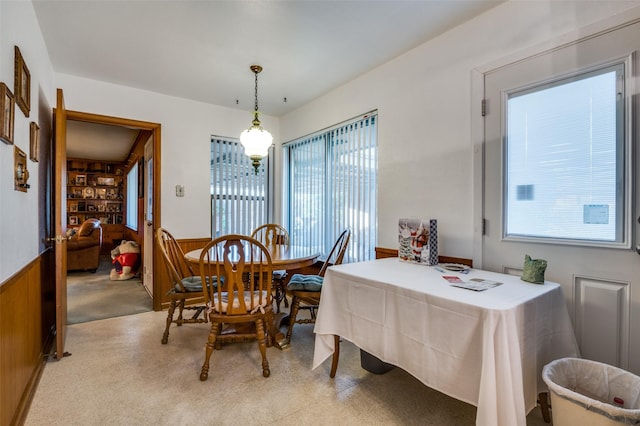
121	141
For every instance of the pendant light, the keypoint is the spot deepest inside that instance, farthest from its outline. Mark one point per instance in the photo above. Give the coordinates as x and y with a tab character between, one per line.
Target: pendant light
255	140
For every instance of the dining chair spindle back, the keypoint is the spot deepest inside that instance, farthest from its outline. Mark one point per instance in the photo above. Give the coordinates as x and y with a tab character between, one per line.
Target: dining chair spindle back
271	235
185	284
305	290
239	272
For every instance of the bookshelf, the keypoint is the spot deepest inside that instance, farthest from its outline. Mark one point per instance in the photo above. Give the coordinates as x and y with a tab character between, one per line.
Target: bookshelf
95	189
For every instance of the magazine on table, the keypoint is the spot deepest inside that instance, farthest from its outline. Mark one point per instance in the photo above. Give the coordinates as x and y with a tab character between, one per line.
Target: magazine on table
475	284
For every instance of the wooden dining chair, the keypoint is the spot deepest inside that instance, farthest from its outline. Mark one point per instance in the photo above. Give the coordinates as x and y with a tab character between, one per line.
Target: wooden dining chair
240	301
272	235
305	289
185	284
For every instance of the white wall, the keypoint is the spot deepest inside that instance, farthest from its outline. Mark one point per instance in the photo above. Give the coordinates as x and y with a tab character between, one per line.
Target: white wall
425	123
187	127
19	239
425	112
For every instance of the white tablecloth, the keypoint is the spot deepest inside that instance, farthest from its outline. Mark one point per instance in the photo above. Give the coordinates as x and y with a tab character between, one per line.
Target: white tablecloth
485	348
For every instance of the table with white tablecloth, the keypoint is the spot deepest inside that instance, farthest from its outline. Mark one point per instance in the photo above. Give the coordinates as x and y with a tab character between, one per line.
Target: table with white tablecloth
486	348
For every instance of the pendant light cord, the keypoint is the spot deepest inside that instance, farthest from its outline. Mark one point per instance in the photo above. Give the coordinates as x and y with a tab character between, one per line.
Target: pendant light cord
256	93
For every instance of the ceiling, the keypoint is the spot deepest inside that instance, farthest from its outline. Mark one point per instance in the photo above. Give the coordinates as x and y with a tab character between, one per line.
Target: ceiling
99	141
202	49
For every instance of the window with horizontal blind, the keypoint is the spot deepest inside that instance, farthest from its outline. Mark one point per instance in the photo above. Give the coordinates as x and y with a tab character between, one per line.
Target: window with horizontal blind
330	184
239	197
564	163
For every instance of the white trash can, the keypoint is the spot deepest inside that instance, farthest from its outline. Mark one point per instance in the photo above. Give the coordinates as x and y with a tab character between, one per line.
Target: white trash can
590	393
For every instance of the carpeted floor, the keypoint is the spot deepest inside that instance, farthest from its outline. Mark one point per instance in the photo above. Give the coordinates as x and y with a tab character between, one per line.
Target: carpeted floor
92	297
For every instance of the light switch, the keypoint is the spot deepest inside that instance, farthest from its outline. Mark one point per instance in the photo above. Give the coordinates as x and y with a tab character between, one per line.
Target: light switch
179	190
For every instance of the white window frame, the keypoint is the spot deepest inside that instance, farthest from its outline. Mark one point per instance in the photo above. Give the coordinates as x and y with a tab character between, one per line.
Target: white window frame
624	160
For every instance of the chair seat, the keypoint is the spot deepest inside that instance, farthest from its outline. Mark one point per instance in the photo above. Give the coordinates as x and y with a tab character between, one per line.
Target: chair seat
247	301
191	284
279	274
305	283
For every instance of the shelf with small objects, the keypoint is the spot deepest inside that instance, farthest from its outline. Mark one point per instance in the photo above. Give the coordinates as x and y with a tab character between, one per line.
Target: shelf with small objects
95	190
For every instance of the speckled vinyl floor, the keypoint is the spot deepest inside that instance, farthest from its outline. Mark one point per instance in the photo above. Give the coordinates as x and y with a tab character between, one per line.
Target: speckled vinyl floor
120	374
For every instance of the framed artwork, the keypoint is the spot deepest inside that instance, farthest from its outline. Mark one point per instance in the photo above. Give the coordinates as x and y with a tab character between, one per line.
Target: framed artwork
22	86
73	220
108	181
89	192
7	108
101	193
73	207
34	141
81	180
20	169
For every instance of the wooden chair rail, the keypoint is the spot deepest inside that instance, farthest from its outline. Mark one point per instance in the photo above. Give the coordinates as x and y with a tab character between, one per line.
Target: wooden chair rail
382	253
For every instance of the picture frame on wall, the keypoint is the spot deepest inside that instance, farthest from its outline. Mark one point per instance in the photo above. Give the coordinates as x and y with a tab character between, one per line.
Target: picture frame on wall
22	83
89	192
7	108
106	181
34	141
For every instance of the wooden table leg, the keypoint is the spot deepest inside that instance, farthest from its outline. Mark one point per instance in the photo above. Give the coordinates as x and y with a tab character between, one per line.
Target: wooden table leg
336	356
278	338
543	399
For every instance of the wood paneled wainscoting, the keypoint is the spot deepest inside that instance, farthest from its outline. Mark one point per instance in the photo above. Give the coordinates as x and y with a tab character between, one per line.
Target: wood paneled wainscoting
382	253
27	310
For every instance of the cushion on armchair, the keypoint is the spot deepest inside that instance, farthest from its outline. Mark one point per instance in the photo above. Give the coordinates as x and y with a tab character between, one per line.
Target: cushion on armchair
305	282
83	247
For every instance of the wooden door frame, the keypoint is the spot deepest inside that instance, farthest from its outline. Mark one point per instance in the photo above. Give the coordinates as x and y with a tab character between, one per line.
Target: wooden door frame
59	221
155	128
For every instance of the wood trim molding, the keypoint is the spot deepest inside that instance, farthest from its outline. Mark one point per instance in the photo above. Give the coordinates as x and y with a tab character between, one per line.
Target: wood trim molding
382	253
155	129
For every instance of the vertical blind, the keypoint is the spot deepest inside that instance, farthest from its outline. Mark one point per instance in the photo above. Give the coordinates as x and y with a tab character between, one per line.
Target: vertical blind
238	195
332	184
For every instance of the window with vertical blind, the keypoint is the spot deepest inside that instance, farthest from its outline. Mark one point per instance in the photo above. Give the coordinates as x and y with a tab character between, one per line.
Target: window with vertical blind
330	184
239	197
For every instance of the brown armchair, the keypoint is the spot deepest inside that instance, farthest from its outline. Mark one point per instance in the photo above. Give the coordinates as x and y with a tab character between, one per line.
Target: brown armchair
83	248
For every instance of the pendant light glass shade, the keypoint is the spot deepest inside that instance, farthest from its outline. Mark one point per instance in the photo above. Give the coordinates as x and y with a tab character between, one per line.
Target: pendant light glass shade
255	140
